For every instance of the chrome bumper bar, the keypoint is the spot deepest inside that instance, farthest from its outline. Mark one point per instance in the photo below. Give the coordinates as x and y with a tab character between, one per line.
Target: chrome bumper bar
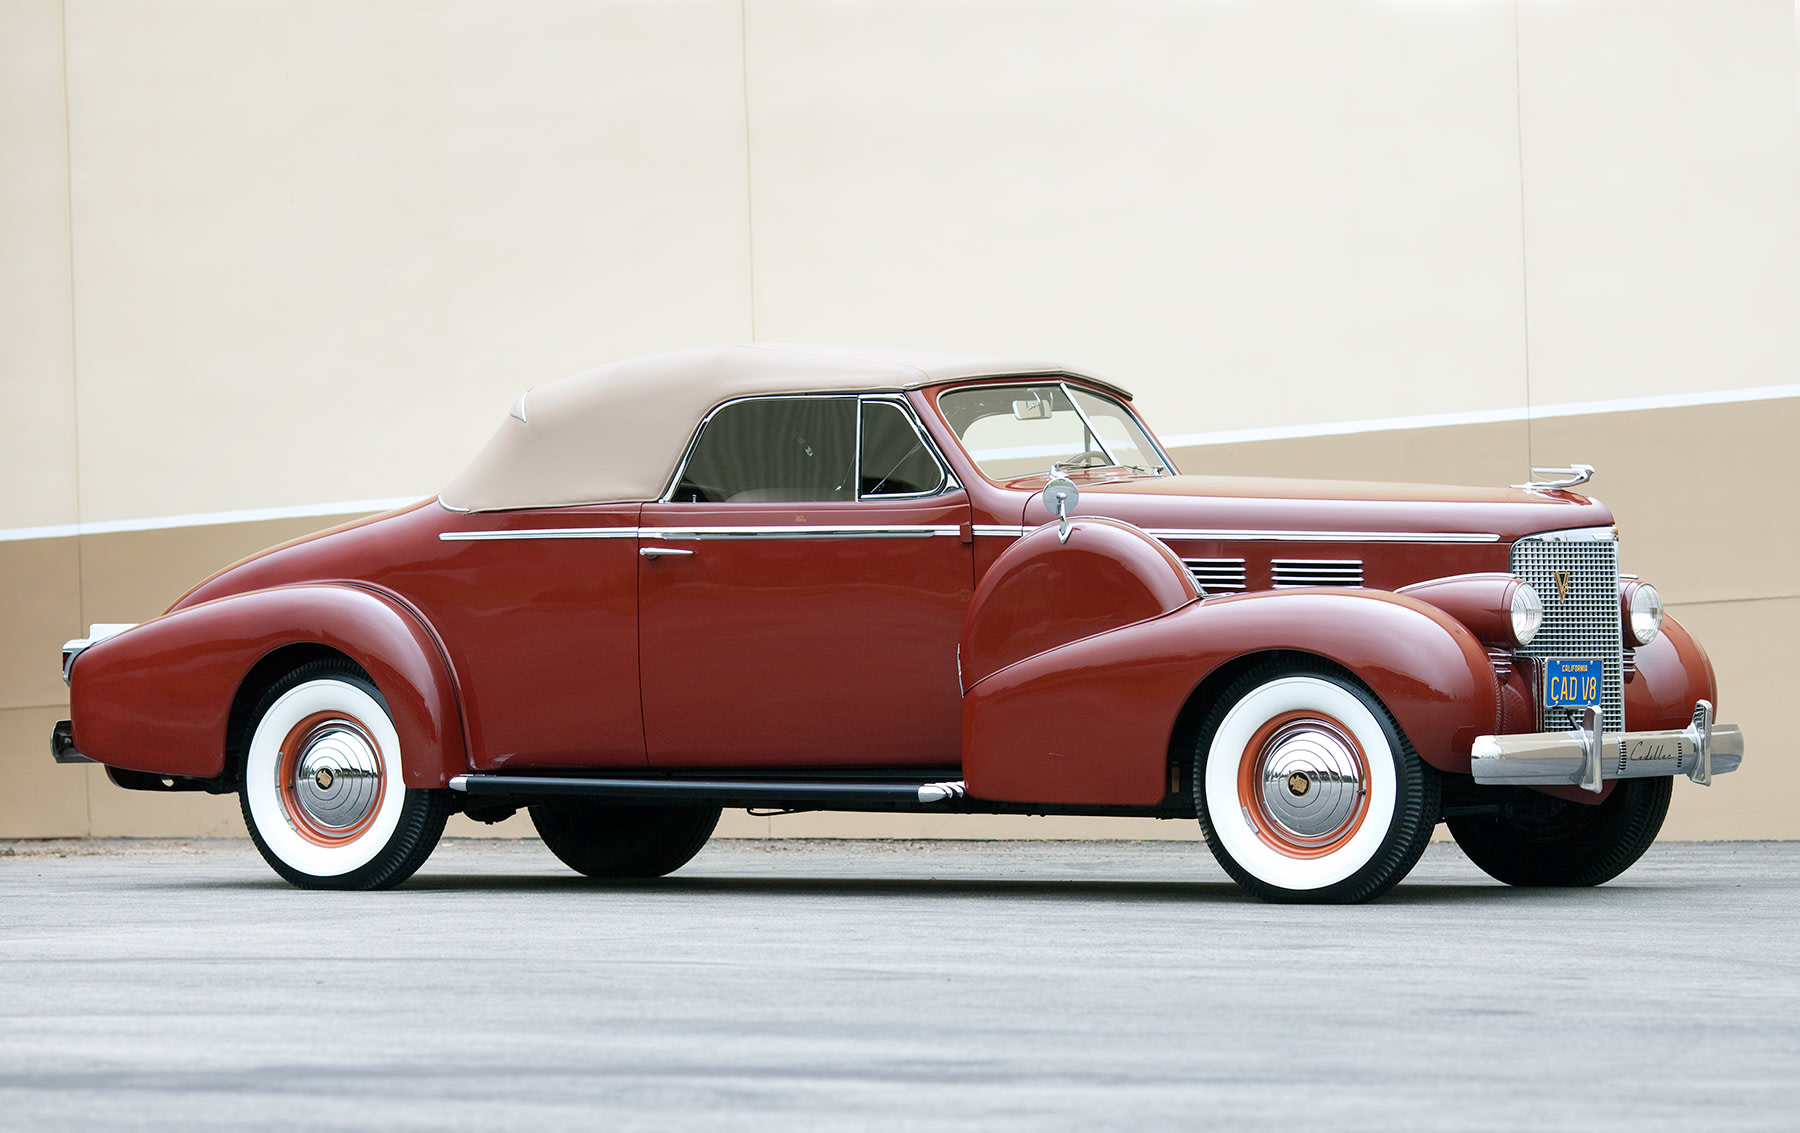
1585	757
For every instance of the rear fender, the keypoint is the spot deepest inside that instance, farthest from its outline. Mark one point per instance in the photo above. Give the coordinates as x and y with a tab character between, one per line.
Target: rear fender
158	698
1092	721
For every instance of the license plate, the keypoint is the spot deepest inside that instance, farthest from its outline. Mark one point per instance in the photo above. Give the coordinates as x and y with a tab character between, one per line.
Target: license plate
1571	682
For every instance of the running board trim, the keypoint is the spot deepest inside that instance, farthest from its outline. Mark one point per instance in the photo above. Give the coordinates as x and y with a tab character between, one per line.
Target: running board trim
735	791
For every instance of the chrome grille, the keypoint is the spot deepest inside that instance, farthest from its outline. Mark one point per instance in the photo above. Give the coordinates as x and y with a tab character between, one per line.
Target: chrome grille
1317	572
1216	574
1581	610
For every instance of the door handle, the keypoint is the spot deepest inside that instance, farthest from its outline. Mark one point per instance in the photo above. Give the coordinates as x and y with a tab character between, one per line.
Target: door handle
653	552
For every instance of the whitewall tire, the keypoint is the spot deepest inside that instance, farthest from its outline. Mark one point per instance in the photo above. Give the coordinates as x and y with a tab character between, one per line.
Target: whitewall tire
1306	789
322	792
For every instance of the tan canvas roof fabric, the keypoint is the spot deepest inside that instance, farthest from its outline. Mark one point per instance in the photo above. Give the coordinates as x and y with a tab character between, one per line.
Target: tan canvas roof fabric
616	433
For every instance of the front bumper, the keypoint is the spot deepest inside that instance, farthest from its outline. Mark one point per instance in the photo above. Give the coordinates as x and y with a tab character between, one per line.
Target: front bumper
1586	758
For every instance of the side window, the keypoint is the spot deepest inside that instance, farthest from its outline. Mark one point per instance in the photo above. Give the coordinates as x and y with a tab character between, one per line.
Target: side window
800	449
895	459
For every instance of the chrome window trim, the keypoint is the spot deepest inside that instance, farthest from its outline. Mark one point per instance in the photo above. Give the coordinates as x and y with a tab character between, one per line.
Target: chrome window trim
949	483
1061	381
946	479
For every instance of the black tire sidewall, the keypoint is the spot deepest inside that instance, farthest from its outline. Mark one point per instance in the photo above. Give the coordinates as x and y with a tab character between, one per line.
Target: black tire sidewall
1417	802
422	816
613	841
1598	842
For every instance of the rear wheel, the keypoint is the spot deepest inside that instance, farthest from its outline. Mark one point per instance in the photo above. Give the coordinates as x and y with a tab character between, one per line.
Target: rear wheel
322	793
605	840
1536	840
1306	789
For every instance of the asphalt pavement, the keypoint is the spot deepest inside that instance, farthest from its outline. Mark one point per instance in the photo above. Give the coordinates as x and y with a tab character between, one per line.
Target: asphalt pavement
829	985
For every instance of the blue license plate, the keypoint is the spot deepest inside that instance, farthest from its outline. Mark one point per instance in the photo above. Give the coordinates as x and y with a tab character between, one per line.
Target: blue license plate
1571	682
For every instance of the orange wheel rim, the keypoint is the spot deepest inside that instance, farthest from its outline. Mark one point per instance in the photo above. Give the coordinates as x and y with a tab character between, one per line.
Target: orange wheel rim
1303	782
330	778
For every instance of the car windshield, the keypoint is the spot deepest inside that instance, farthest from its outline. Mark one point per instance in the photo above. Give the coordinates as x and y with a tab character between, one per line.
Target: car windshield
1022	430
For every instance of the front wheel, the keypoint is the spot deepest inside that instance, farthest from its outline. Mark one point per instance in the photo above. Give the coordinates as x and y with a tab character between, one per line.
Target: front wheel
1306	789
1534	839
322	791
607	840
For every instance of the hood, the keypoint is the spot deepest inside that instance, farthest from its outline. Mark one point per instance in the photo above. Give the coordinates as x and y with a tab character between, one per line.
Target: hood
1353	508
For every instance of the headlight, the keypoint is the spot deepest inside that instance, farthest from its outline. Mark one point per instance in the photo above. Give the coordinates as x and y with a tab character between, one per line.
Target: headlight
1527	613
1643	611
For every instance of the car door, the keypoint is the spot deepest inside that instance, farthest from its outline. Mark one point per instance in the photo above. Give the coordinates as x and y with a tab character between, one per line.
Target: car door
802	590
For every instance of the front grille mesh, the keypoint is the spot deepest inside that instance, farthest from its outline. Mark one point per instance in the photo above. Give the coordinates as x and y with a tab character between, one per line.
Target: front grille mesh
1581	615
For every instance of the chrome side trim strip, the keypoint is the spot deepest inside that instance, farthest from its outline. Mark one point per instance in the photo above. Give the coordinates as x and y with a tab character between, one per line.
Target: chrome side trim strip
542	533
784	531
806	531
939	792
916	531
827	794
1247	535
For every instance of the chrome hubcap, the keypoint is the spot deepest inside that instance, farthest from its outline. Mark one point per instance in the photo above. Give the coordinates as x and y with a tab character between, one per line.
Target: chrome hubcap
1312	780
337	779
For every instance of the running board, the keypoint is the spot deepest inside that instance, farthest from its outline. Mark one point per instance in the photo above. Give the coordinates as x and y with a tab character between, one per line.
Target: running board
738	792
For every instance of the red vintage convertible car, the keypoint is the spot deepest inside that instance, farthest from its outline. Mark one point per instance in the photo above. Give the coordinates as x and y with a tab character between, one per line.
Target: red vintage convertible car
806	577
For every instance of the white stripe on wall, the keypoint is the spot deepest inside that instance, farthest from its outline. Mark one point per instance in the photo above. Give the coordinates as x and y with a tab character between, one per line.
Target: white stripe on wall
1184	440
1482	416
207	518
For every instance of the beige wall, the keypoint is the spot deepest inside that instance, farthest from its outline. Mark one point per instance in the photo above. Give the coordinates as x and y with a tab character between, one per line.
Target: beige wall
279	255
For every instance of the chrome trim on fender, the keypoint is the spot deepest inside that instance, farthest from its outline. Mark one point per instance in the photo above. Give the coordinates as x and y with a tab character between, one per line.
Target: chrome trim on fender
1573	758
1246	535
543	533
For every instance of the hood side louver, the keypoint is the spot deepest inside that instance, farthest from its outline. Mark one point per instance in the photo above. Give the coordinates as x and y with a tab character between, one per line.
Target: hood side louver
1214	575
1316	572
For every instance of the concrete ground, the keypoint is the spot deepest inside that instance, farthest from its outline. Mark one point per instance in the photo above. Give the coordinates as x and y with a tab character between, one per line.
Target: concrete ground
842	985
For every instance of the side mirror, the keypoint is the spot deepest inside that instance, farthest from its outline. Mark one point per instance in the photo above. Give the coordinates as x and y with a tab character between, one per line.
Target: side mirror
1060	497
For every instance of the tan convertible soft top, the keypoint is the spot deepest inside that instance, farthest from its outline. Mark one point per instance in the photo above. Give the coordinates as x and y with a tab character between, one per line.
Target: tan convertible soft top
616	433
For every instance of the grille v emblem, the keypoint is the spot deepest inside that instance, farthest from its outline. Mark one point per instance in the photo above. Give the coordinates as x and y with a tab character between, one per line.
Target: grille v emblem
1562	586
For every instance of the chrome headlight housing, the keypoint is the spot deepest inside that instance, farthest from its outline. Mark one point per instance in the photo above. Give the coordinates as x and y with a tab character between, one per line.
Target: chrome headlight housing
1642	608
1527	613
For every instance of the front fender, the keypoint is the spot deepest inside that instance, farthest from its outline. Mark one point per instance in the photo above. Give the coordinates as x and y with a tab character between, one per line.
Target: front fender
1091	721
1672	673
158	698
